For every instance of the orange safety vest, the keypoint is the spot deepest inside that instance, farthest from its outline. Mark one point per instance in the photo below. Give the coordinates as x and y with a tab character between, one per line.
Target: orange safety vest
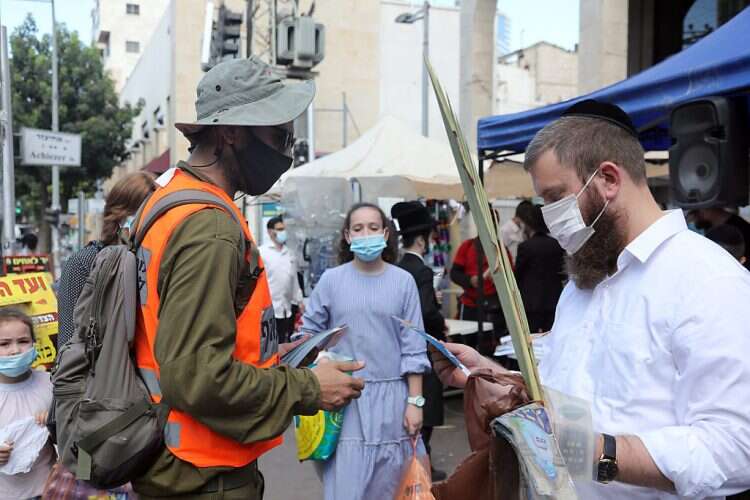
256	342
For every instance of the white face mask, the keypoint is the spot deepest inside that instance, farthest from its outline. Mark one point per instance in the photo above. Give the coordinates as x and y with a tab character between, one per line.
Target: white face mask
565	222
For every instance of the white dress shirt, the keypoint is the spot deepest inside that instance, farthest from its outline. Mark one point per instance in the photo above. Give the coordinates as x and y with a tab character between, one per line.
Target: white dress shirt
281	272
661	349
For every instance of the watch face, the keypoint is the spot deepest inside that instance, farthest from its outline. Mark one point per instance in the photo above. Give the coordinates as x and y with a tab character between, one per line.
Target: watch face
417	401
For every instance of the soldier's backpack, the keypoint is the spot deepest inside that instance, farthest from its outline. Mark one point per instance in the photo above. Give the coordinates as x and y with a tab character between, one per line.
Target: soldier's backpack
107	428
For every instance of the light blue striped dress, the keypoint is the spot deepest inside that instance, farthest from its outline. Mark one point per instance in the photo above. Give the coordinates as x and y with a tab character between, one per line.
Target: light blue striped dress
374	445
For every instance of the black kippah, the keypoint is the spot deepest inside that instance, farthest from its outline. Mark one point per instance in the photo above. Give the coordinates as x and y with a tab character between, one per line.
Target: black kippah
603	111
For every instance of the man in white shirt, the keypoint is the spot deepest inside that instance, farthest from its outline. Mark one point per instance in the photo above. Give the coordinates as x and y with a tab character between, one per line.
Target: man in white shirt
512	232
281	272
653	330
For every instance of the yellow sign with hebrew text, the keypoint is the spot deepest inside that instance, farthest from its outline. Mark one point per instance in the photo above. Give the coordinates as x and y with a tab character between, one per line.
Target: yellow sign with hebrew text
33	294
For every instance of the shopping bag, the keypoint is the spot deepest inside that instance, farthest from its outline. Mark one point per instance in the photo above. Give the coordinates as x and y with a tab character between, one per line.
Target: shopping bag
317	435
415	481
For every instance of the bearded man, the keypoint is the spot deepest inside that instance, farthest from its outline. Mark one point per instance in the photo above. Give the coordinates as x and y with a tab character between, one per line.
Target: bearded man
653	330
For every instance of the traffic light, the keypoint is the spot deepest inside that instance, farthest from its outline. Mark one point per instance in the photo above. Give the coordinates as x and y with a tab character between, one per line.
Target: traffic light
225	42
300	42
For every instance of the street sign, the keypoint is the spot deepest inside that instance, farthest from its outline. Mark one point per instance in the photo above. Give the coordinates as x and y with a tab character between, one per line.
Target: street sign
47	148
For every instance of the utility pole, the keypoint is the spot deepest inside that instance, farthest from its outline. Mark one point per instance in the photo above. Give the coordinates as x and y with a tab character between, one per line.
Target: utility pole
56	208
425	55
423	15
9	183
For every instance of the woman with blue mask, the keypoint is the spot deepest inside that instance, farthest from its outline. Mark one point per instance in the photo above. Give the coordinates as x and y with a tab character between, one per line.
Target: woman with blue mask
364	293
25	395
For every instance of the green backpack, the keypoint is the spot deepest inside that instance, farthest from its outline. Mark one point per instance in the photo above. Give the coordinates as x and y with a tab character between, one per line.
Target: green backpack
108	430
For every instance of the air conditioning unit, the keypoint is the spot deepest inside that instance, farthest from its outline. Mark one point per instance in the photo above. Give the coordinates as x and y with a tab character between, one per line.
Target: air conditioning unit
300	42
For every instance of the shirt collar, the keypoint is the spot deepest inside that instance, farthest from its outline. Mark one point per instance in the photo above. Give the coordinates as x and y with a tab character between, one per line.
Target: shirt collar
415	253
272	246
641	248
182	165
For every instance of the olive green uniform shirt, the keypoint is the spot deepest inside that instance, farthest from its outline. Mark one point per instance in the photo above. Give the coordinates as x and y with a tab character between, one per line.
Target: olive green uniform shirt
200	289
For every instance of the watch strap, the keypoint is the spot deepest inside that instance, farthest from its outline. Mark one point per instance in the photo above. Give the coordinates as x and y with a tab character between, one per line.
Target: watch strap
607	466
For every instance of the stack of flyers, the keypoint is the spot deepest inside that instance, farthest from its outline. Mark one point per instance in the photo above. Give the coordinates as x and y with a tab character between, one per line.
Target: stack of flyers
505	348
321	341
435	343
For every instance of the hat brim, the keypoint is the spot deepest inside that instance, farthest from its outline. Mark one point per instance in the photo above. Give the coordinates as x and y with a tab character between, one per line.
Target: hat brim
281	107
417	229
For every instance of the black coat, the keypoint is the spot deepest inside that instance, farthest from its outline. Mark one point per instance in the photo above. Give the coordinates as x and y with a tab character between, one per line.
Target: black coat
423	275
540	273
433	324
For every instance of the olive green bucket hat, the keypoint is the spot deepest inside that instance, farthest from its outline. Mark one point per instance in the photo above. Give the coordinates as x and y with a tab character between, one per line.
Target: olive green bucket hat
247	93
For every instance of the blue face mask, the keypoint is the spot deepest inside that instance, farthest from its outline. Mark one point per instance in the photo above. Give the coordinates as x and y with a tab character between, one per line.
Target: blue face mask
281	237
17	365
368	248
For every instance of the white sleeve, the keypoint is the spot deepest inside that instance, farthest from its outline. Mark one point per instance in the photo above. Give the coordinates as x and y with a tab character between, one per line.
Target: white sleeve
708	454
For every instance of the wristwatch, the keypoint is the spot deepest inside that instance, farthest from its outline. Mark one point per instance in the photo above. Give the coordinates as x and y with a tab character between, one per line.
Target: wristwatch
417	401
606	470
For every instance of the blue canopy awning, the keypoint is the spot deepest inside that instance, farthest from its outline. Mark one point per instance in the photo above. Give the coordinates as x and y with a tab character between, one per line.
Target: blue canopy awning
717	65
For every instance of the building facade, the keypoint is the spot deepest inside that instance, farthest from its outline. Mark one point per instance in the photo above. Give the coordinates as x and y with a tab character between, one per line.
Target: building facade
535	76
121	29
373	68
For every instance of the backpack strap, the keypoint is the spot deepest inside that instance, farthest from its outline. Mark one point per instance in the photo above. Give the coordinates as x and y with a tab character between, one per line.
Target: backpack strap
141	225
176	199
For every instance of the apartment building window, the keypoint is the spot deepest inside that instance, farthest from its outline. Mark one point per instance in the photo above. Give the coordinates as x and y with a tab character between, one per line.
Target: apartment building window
132	47
133	8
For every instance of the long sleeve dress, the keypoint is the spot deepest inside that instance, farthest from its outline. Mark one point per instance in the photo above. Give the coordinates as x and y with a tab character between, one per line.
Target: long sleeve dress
374	445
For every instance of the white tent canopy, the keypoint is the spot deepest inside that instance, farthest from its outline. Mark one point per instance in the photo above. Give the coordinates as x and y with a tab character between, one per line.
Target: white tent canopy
391	160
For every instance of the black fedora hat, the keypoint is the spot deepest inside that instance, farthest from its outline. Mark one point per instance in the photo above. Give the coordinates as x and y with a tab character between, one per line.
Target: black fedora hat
412	217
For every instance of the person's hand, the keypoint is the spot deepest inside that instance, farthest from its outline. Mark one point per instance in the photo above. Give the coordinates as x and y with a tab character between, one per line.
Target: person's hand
447	372
5	450
474	280
413	419
487	275
301	308
439	297
288	346
41	418
337	388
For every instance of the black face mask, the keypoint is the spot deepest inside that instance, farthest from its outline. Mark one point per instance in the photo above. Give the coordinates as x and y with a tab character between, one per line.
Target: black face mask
260	165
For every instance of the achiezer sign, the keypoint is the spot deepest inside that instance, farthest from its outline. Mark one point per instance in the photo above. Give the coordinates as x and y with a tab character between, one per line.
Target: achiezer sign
47	148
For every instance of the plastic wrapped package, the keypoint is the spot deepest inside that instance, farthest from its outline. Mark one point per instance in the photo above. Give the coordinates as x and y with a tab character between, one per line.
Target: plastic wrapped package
318	435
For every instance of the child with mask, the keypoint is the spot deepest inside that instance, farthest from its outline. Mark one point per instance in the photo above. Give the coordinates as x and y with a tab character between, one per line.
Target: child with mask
364	293
24	393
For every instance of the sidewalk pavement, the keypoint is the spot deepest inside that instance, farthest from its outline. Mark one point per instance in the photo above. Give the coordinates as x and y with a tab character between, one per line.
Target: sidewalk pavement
287	479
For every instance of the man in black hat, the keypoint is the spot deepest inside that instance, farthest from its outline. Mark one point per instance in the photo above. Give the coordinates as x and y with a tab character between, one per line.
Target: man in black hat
652	329
415	227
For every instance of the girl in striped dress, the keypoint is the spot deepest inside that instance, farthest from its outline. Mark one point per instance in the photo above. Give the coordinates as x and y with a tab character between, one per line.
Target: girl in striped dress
364	293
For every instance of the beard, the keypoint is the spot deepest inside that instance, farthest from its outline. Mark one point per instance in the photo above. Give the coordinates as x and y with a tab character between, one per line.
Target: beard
597	259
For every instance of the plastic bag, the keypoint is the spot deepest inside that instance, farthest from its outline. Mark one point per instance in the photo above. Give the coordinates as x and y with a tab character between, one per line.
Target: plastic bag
416	483
318	435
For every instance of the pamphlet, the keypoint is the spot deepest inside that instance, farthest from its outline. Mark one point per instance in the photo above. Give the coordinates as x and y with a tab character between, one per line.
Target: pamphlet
435	343
321	341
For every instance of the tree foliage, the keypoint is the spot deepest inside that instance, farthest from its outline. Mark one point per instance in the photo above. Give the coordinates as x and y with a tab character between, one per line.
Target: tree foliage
88	105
